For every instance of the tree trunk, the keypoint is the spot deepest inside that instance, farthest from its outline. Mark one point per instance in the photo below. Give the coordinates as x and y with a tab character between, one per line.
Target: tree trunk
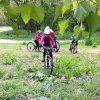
31	25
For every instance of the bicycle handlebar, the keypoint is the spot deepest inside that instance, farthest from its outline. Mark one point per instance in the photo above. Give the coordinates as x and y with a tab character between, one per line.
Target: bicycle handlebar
47	47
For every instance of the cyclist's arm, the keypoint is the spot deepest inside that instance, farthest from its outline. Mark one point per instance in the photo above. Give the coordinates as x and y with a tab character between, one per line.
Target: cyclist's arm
42	40
52	41
39	37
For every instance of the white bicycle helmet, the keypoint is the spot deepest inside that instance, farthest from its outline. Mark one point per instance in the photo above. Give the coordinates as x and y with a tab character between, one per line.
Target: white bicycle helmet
47	30
47	27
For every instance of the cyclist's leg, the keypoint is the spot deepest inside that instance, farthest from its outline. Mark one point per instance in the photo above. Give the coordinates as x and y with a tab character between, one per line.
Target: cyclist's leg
36	44
70	48
51	55
54	38
43	55
76	45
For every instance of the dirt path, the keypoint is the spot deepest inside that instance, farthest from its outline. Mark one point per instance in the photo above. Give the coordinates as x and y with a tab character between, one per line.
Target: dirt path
17	41
11	41
5	28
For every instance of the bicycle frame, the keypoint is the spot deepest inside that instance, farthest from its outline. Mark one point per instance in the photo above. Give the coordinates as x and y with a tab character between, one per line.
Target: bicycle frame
48	63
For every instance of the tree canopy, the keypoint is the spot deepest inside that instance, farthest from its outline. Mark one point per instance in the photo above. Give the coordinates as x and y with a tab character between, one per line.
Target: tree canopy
87	11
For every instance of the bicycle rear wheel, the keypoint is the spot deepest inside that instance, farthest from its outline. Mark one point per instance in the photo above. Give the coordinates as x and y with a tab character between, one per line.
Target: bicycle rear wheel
31	46
48	65
57	47
73	49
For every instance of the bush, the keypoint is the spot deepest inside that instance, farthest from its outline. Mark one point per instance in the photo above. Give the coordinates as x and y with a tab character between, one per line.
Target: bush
88	42
10	89
70	67
8	58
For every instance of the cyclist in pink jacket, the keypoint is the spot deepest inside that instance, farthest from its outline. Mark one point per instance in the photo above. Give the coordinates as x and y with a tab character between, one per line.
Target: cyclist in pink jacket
38	38
47	40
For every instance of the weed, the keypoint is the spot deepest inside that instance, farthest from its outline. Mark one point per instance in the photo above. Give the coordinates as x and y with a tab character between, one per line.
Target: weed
8	58
19	65
70	67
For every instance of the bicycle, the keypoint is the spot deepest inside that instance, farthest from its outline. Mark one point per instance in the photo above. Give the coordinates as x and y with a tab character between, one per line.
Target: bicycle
73	48
48	61
57	46
31	46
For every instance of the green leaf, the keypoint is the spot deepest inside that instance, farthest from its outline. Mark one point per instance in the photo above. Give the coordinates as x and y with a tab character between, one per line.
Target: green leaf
80	13
65	7
93	8
86	6
93	21
74	5
98	12
13	25
80	34
25	12
12	12
79	30
98	2
76	29
63	25
37	13
57	11
5	3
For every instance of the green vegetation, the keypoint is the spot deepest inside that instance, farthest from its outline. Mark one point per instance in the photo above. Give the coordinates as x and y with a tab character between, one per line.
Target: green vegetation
75	76
79	15
24	35
71	67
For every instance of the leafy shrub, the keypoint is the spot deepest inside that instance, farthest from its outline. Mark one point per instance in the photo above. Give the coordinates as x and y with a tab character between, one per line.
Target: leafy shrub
19	65
8	58
70	67
9	89
32	71
88	42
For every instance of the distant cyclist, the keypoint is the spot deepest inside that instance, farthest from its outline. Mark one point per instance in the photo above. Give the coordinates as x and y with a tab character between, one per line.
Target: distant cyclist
52	34
74	41
47	40
38	38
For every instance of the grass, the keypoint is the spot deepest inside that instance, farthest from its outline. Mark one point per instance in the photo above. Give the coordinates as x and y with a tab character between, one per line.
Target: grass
24	35
25	65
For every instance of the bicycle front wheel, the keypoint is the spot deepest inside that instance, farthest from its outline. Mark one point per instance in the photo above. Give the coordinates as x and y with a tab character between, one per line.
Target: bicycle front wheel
48	65
31	46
